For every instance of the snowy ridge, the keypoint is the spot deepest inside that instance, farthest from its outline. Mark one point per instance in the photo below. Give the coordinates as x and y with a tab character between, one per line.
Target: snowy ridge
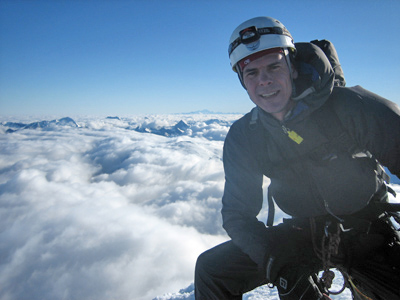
111	208
13	126
212	129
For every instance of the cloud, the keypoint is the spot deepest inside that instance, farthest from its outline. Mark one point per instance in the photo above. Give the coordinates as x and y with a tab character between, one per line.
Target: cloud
103	212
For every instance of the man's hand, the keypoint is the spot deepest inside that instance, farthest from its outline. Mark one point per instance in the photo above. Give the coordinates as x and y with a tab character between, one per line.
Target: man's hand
288	246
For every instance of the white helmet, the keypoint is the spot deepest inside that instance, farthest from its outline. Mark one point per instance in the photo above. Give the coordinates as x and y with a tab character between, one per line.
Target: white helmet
256	35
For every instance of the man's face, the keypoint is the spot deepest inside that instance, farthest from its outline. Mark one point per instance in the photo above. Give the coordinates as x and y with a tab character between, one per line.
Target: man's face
269	85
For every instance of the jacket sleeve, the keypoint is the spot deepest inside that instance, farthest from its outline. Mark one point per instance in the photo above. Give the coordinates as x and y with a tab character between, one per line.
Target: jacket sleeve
243	195
374	122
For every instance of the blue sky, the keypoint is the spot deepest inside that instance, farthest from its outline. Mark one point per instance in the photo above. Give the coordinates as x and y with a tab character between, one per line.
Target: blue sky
158	56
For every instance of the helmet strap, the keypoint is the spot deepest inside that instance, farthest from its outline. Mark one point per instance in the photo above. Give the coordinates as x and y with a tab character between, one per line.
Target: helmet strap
289	63
240	75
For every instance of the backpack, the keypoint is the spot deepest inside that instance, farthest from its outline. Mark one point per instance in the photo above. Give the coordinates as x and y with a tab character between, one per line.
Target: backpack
329	123
331	54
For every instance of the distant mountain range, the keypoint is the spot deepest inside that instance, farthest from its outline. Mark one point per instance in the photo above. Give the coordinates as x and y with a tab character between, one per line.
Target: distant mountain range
178	129
212	129
42	124
208	112
204	112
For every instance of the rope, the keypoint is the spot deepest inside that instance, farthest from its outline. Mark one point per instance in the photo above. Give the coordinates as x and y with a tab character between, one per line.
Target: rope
329	246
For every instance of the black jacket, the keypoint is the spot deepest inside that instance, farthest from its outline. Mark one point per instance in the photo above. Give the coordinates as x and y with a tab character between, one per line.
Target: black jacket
321	174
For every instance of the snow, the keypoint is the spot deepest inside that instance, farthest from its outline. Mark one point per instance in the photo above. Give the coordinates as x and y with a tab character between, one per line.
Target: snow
111	207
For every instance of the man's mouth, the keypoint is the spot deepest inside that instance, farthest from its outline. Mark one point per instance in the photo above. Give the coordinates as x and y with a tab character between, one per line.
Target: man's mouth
268	95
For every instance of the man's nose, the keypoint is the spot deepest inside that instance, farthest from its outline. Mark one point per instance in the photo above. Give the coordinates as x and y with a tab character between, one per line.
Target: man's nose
265	78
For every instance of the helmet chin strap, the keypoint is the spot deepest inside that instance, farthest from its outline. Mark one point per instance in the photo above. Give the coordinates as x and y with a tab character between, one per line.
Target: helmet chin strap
289	63
240	75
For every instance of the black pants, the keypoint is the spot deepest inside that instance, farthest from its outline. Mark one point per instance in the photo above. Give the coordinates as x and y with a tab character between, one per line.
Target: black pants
225	272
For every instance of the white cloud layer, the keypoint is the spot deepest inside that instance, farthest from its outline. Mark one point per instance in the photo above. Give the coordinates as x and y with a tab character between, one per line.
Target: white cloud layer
102	211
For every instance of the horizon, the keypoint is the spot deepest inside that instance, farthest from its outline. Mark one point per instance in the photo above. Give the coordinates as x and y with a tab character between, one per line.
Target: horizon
27	119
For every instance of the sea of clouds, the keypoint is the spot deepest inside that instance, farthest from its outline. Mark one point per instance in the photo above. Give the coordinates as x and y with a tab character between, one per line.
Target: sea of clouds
110	208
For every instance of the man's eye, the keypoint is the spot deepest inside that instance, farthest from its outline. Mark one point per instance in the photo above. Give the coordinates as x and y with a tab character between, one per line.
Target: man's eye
275	67
250	74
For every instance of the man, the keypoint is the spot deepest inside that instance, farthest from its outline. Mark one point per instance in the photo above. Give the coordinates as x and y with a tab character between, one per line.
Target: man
320	144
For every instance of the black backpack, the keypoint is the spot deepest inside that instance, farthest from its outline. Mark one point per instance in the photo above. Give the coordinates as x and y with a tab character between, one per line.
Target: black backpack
330	52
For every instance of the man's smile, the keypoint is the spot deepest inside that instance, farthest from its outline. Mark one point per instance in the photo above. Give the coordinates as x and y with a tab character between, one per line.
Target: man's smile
268	95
